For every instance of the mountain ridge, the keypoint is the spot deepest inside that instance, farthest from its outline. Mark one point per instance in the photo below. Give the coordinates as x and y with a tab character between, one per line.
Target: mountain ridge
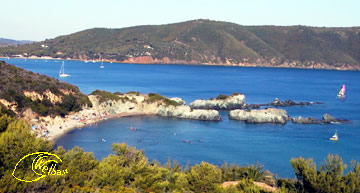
4	42
208	42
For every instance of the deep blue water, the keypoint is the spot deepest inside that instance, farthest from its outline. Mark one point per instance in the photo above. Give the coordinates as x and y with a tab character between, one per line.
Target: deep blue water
217	142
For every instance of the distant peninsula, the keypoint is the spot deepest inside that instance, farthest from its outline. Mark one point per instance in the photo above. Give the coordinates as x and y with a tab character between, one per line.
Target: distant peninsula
206	42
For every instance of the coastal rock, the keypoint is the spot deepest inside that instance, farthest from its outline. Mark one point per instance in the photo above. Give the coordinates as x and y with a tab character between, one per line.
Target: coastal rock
234	101
269	115
47	94
286	103
303	120
185	112
109	107
178	100
9	105
141	104
251	106
326	118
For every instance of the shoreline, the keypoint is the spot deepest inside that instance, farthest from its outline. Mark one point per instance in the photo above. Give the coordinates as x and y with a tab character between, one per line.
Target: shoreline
249	65
61	126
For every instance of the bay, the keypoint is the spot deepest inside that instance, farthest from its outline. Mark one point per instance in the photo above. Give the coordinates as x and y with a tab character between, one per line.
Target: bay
225	141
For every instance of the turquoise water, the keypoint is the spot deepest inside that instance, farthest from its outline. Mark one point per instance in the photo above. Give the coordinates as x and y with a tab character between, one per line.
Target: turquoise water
217	142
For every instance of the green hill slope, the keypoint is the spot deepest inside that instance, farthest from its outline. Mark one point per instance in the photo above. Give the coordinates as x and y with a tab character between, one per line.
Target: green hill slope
208	42
21	90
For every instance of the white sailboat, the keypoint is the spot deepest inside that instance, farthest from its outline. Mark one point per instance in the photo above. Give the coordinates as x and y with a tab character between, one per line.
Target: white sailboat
341	92
102	65
62	72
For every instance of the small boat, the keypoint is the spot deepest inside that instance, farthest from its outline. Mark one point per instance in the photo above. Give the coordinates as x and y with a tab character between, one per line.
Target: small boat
62	72
335	137
103	140
341	92
187	141
102	65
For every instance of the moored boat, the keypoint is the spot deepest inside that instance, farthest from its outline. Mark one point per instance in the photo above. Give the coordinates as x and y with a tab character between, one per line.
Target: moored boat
62	71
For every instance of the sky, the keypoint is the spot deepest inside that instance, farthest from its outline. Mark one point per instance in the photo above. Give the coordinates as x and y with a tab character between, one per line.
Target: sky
45	19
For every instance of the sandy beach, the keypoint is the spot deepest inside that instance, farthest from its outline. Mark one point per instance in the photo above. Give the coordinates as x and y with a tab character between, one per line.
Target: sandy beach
52	128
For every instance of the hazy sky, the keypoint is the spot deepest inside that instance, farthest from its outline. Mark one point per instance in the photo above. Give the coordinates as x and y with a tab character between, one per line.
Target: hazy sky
41	19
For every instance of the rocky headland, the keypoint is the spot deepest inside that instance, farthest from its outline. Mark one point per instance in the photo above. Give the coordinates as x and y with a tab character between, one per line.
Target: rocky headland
153	104
106	105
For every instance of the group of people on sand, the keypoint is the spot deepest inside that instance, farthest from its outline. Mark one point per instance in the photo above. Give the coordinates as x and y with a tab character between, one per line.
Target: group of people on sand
92	118
41	130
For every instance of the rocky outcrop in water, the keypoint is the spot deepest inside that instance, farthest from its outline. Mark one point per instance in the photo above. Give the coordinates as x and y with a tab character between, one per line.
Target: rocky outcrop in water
237	101
286	103
131	103
269	115
185	112
304	120
326	119
222	102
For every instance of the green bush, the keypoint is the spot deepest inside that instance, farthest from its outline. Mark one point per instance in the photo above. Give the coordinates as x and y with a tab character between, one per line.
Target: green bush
105	96
204	177
153	97
330	178
221	97
134	92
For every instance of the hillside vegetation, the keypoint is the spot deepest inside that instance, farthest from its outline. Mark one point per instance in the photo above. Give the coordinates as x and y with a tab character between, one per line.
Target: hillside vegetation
205	41
43	95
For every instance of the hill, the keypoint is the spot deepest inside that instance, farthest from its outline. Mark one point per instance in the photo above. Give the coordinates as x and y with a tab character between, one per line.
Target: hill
208	42
9	42
22	90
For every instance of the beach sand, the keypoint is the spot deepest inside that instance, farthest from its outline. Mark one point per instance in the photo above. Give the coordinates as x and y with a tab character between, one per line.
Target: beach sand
56	127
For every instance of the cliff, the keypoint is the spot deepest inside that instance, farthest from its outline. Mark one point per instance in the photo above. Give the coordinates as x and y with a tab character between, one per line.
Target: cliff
208	42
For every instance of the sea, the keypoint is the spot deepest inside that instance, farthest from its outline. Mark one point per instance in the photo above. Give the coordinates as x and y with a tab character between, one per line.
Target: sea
190	142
